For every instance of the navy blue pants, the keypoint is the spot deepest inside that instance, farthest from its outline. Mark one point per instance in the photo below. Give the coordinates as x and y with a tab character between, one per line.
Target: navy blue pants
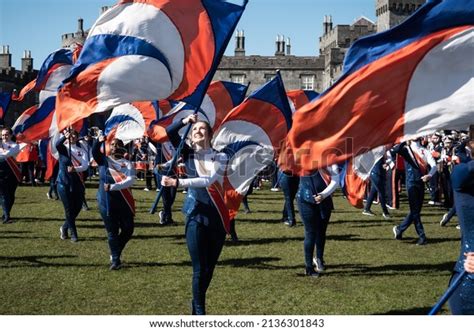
289	185
314	231
118	223
7	195
415	200
377	186
205	245
72	200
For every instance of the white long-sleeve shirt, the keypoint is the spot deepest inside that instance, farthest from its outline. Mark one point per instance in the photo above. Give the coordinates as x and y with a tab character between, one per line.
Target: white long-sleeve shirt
8	149
210	166
125	168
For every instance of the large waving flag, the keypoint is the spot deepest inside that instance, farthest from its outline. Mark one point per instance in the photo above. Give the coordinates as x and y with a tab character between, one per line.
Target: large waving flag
5	98
143	50
37	122
405	82
221	97
250	135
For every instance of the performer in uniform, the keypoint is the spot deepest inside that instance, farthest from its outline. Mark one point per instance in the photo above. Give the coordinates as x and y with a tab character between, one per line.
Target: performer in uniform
115	199
10	174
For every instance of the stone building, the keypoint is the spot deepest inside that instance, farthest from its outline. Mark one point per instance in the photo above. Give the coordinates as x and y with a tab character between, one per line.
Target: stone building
12	79
298	72
392	12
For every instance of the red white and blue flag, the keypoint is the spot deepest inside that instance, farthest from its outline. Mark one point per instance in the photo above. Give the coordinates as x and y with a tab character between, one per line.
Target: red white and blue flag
396	85
143	50
37	122
250	135
126	123
220	98
5	98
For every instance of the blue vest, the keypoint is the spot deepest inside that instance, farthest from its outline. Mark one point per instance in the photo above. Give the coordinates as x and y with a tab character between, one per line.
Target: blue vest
310	186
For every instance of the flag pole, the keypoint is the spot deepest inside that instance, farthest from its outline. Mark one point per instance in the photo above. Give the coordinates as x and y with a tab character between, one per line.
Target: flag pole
454	285
173	162
107	209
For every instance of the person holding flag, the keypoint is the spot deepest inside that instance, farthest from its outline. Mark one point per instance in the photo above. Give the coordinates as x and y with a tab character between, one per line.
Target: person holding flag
72	161
315	206
205	231
115	199
9	173
417	159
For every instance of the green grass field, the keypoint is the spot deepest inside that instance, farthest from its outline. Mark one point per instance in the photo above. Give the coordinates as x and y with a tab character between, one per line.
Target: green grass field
368	272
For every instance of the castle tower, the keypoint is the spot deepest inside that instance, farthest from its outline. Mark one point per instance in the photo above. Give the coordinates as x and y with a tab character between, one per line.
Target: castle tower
239	43
69	39
27	62
5	58
393	12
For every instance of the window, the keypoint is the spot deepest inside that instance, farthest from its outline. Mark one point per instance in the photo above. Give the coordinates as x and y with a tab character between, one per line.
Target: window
307	82
237	78
269	77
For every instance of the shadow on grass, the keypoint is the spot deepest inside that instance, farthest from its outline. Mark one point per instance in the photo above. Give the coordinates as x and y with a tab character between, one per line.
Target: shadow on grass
262	241
408	311
390	269
35	261
253	263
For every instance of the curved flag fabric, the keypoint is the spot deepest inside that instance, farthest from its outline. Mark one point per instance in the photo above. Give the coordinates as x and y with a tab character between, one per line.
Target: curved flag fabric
144	50
54	64
299	98
396	85
221	97
251	135
127	122
5	98
37	122
355	174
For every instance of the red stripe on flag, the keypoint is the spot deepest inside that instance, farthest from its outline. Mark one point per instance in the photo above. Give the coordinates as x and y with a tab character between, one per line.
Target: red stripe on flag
69	105
222	101
363	111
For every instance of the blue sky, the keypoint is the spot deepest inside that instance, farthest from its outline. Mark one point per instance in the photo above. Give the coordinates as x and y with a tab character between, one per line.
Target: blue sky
37	25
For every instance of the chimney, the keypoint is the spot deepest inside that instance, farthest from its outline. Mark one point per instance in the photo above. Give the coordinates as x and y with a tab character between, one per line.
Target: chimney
288	46
5	58
239	43
104	9
280	46
330	22
80	25
27	62
325	25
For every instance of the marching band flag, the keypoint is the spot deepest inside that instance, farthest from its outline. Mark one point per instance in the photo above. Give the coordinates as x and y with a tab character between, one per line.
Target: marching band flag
37	122
5	98
355	174
250	135
396	85
143	50
221	97
53	70
126	122
299	98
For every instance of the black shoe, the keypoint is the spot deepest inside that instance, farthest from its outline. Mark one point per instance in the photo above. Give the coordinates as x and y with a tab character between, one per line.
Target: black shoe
422	241
290	223
74	238
62	233
311	272
247	211
116	265
397	233
7	221
319	265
